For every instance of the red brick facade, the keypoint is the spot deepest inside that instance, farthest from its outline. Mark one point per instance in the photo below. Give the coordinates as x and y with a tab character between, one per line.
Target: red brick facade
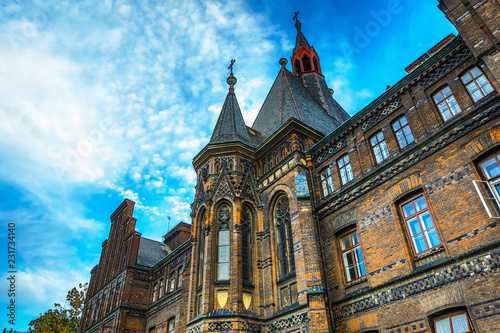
388	223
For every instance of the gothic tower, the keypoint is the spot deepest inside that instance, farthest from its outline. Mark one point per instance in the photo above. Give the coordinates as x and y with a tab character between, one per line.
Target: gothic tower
256	258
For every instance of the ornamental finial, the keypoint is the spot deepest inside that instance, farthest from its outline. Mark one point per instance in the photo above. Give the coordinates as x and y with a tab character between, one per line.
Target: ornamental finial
231	80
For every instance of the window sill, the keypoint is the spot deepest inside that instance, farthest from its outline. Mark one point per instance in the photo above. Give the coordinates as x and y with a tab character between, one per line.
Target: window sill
428	253
355	282
286	278
221	282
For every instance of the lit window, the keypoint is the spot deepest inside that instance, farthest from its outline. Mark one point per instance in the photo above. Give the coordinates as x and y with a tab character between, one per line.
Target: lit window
420	225
352	258
455	323
403	132
286	262
345	169
477	84
224	217
446	103
489	190
326	182
171	325
379	147
246	244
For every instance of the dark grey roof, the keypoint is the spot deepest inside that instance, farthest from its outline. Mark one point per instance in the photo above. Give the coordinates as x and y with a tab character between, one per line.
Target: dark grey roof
289	98
316	85
300	40
230	125
150	252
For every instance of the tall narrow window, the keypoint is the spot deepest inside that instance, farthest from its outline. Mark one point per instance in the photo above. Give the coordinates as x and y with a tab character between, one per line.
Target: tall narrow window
201	249
420	225
171	325
352	258
477	84
306	62
286	262
379	147
224	218
491	169
345	169
403	132
489	189
446	103
327	182
246	244
454	323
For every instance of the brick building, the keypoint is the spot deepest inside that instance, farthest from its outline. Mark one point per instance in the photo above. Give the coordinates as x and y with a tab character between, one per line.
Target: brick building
314	221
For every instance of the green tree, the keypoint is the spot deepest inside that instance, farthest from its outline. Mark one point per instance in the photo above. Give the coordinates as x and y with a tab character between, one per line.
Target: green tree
61	319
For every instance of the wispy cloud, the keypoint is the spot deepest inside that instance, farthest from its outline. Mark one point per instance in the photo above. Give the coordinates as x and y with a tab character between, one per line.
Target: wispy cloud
106	100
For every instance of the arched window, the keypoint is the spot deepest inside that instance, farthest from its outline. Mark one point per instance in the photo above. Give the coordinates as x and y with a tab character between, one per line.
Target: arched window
217	167
315	63
297	66
306	62
201	248
246	244
224	219
281	213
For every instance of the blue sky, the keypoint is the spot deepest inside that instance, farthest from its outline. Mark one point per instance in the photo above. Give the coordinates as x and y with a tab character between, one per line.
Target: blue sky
106	100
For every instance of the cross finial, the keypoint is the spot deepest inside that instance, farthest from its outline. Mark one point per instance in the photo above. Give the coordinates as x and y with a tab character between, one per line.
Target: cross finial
296	17
231	66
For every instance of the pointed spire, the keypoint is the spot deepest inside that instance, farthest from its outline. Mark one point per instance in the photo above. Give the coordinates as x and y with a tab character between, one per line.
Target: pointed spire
300	40
230	125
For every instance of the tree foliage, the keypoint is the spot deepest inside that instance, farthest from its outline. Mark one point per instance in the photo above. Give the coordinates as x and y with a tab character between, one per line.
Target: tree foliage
62	319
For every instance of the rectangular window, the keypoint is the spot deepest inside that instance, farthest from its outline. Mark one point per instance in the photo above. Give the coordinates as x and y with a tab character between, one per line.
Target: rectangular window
289	294
477	84
161	289
379	147
403	132
446	103
345	169
155	292
172	282
455	323
326	182
420	225
352	258
171	325
223	266
489	190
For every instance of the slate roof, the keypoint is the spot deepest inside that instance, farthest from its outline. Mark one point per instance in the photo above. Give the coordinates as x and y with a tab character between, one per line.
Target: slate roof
151	252
230	125
289	98
300	40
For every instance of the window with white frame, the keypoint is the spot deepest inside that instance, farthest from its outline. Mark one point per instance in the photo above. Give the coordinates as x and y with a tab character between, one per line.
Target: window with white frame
327	182
446	103
224	218
420	225
379	147
403	132
345	169
352	259
477	84
489	189
452	323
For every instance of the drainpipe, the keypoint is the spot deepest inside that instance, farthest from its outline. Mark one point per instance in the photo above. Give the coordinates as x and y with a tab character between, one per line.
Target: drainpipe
309	164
